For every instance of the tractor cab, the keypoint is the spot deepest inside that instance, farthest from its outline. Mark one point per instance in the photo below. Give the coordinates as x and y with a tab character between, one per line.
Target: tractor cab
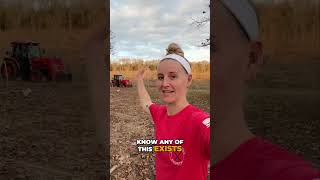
119	81
28	50
118	77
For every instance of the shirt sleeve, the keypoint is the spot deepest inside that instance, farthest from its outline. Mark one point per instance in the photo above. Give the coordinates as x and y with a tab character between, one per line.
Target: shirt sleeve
154	111
205	137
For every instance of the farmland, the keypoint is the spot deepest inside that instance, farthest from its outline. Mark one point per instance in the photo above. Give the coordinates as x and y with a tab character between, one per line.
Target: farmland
281	106
45	133
128	123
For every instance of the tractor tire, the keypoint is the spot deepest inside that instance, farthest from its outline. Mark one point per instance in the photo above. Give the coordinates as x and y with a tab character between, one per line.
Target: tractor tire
9	68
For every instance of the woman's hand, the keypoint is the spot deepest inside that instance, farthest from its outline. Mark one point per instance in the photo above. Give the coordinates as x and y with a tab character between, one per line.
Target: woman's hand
140	74
145	100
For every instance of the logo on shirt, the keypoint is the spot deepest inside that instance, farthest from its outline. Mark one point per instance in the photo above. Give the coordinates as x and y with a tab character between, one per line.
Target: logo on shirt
177	157
206	122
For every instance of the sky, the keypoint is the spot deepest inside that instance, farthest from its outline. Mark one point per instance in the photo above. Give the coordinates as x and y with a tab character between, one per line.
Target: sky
144	28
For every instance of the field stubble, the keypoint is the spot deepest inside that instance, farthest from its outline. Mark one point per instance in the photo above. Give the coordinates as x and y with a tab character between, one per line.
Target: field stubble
47	133
129	123
282	106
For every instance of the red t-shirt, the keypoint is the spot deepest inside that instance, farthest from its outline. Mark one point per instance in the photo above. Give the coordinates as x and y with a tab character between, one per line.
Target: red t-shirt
259	159
191	125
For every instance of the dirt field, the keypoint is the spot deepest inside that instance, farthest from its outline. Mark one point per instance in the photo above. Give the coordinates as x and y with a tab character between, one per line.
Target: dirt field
129	123
46	134
282	106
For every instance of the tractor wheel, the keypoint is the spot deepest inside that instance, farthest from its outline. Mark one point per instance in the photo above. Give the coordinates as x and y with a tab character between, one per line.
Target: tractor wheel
9	68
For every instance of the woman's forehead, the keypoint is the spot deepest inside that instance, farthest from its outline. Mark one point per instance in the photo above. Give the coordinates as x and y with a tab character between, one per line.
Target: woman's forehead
169	66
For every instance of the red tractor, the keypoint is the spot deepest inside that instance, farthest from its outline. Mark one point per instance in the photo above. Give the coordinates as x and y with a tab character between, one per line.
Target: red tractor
119	81
26	61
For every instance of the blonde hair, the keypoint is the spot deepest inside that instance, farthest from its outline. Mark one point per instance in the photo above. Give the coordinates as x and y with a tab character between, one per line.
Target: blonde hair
174	48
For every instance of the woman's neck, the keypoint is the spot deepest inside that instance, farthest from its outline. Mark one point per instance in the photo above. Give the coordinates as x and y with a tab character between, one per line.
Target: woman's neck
174	108
229	131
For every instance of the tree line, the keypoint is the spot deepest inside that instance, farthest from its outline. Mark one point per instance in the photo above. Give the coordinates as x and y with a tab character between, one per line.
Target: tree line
128	67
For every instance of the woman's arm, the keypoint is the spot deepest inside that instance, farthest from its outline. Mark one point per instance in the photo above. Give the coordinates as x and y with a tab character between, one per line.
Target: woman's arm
144	97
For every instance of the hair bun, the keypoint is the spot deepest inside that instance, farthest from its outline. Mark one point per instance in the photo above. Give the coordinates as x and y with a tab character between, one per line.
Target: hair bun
174	48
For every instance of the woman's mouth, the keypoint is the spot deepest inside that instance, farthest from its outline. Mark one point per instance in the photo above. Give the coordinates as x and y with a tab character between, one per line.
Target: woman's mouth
167	91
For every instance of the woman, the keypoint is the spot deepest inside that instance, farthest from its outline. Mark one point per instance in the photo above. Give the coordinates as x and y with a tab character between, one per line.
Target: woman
237	56
177	119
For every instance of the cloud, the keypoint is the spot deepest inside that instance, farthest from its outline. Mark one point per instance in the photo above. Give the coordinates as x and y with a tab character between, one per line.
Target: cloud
144	28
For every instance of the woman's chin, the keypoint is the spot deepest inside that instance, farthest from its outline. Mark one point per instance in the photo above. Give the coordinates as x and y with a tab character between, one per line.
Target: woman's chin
168	100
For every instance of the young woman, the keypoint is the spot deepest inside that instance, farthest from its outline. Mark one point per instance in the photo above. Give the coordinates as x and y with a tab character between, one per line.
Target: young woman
237	56
177	119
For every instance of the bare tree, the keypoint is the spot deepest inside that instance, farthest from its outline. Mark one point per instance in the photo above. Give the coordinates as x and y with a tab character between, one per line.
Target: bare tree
202	21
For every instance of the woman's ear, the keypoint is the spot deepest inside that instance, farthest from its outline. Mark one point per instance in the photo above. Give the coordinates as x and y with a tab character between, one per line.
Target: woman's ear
255	61
189	80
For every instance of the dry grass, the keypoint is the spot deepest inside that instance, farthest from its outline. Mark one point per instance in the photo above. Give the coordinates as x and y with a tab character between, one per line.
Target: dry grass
290	27
152	75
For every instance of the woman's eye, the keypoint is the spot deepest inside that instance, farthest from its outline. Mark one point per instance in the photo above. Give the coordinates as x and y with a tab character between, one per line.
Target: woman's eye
160	78
173	77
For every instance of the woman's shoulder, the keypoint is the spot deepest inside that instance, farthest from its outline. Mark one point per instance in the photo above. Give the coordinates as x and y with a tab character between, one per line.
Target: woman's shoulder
157	106
197	112
199	116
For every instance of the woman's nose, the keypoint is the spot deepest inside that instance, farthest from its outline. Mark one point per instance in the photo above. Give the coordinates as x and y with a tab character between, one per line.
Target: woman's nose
165	82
